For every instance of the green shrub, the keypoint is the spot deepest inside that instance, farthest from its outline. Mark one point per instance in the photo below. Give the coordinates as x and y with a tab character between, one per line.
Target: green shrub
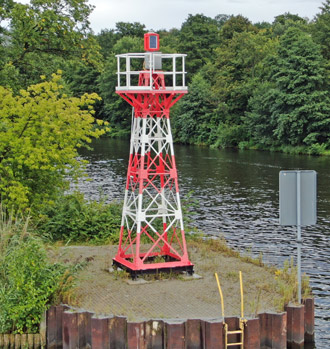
317	149
229	136
29	283
74	219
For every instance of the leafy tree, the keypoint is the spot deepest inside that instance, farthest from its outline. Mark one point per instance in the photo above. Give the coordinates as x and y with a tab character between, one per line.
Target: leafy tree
234	75
107	39
192	121
221	19
260	122
5	7
82	78
321	29
298	104
263	25
235	24
287	20
115	109
169	40
198	37
41	130
303	104
282	19
130	29
43	35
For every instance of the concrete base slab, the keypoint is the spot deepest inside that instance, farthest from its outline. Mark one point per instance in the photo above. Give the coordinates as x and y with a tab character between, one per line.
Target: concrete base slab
137	281
194	276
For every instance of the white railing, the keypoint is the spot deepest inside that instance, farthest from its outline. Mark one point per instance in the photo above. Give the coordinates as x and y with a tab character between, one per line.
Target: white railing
130	65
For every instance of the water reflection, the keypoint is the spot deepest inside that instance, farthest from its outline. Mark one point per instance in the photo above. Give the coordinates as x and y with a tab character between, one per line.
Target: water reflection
238	196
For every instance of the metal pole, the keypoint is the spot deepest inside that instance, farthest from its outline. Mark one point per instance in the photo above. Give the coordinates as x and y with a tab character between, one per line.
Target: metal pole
118	71
242	299
221	297
128	71
174	72
299	233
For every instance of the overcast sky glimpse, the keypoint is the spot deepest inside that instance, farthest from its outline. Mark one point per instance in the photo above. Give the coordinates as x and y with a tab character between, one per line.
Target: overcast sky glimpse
167	14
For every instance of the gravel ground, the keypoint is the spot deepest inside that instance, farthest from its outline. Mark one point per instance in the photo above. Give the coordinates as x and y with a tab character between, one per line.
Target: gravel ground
103	292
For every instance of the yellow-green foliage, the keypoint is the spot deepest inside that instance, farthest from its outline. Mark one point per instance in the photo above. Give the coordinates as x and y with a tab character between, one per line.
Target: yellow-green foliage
40	131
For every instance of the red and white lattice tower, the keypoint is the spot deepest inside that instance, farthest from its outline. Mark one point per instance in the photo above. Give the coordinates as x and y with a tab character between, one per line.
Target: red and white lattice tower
152	236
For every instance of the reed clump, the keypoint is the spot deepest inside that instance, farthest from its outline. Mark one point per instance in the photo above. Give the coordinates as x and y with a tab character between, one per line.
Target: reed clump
287	284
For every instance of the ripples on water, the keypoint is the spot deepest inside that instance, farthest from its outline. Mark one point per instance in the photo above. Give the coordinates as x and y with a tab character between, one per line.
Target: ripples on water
238	196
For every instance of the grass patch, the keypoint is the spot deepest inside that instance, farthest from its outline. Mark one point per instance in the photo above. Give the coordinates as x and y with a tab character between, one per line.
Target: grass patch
285	284
204	244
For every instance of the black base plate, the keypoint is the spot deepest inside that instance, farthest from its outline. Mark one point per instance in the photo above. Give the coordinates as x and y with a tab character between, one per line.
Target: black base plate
189	269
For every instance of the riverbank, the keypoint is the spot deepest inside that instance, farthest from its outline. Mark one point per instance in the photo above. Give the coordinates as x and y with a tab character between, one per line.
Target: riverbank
174	296
315	150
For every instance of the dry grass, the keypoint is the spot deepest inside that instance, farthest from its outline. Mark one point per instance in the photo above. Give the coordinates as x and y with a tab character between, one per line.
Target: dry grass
284	285
171	296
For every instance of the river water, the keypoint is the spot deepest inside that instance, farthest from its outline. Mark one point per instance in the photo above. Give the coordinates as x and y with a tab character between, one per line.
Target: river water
238	198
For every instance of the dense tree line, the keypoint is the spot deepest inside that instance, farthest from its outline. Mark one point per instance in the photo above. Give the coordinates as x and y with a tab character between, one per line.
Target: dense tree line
262	85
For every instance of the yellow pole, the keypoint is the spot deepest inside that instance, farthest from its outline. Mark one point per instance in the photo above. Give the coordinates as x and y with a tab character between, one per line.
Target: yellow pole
242	299
221	297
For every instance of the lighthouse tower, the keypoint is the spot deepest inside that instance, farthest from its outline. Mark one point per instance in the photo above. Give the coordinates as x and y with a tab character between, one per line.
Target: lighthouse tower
152	235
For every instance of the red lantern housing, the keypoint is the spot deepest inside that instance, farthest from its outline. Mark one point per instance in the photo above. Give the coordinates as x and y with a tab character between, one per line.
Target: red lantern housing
151	42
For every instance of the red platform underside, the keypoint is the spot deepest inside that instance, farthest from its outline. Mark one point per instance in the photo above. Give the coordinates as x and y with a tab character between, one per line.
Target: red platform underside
153	266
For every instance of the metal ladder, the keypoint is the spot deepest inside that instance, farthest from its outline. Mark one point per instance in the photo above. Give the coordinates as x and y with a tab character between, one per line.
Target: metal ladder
242	321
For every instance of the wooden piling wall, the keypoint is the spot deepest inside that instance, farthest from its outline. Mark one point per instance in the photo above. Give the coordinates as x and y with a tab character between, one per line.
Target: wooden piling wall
70	328
66	327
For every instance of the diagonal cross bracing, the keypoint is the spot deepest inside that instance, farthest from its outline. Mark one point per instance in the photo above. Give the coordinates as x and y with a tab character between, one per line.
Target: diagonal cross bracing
152	224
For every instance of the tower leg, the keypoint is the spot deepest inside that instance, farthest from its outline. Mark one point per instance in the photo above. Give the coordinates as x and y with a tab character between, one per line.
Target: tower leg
152	235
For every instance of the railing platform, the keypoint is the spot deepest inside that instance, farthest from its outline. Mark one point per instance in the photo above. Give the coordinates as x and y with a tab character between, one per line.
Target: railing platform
130	67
